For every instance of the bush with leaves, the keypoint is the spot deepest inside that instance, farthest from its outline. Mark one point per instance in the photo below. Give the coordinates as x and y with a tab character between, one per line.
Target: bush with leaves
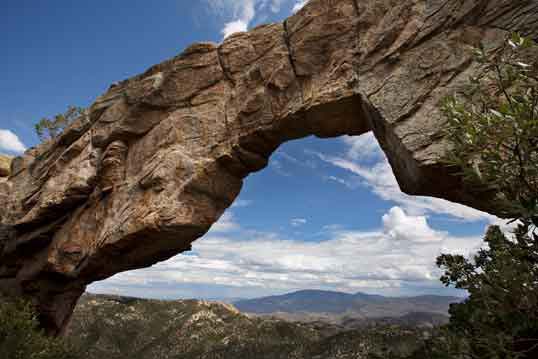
51	128
494	128
21	337
500	317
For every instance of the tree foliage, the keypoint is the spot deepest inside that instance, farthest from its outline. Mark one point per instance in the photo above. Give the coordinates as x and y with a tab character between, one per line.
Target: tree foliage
21	337
500	317
493	126
50	128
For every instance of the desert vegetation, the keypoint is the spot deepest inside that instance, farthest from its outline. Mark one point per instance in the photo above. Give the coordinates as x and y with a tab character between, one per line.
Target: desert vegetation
49	128
493	126
21	337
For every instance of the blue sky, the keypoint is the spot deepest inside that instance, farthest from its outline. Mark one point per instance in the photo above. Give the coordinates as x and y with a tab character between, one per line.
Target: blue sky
325	214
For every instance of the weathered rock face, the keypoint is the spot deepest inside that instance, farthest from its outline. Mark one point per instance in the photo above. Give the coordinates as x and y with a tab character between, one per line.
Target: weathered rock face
5	166
160	156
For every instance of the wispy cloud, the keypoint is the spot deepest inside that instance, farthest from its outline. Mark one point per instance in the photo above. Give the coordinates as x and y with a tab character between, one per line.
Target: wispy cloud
294	160
378	177
226	223
242	203
10	142
297	222
363	147
277	166
349	183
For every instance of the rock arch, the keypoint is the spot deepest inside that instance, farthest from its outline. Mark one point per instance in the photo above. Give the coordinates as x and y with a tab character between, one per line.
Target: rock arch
160	156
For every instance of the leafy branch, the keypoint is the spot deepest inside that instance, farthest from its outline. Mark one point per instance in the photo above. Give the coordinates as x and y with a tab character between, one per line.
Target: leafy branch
51	128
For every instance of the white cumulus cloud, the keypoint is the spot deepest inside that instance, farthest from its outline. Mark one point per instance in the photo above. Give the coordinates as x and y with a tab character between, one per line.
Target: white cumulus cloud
232	27
240	14
393	259
10	142
399	226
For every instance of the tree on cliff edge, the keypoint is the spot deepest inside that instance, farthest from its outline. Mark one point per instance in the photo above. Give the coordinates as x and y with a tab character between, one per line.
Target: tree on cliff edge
50	128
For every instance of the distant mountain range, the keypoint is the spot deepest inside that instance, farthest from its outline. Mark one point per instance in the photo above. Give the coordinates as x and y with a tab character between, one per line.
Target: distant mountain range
337	307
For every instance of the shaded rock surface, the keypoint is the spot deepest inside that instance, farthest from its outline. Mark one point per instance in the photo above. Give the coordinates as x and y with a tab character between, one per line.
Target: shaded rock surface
160	156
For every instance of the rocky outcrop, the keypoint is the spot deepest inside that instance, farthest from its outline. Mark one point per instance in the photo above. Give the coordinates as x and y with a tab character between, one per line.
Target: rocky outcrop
159	157
5	171
5	166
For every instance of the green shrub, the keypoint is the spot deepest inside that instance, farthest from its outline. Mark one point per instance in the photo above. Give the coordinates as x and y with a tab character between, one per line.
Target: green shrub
21	337
493	126
51	128
499	319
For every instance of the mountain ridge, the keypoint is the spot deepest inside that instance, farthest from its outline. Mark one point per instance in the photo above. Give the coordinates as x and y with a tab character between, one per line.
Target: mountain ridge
321	304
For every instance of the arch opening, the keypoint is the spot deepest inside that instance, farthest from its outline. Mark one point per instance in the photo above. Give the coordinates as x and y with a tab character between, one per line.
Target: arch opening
325	214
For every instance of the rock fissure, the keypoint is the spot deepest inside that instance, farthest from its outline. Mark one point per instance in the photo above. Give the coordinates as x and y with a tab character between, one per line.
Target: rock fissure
160	156
356	6
225	71
289	48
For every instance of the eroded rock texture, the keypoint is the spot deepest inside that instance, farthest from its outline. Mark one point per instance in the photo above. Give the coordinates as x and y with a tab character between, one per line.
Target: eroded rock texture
159	157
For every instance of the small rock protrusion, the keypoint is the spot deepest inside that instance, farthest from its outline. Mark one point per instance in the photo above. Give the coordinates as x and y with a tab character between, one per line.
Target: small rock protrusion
5	165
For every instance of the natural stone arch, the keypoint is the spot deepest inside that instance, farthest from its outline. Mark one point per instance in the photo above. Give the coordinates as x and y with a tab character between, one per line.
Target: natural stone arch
160	156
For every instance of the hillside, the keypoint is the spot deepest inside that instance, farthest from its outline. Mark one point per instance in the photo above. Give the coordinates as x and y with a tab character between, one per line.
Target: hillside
118	327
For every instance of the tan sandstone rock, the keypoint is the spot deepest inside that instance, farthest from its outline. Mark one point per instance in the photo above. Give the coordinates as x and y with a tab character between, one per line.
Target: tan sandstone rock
160	156
5	165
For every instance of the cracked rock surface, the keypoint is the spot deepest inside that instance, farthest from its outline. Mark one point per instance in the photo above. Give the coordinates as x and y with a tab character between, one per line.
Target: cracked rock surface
159	157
